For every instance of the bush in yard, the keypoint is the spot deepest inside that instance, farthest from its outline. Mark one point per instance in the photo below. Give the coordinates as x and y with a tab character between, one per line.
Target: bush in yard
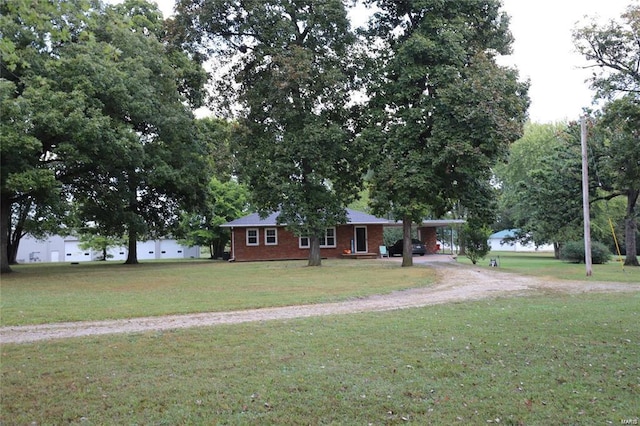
573	252
476	242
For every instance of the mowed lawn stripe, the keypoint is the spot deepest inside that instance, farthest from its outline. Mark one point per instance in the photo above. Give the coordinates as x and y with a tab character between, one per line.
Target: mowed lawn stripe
39	294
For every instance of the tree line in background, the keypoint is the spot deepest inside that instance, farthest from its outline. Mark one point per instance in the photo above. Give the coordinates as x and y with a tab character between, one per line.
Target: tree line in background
541	183
99	136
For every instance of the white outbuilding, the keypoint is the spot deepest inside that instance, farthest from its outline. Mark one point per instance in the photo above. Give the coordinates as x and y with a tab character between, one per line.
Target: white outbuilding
500	242
58	248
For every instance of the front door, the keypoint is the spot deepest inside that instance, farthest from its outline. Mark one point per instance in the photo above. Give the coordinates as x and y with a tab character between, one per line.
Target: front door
361	239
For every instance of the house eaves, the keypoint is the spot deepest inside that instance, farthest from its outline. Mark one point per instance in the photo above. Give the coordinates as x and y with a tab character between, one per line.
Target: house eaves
253	220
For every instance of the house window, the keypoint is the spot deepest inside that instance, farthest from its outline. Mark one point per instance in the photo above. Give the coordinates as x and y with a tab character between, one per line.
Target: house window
328	240
252	237
271	236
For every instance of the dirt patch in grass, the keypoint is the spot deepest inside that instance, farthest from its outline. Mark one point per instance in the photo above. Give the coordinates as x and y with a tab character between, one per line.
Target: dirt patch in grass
456	283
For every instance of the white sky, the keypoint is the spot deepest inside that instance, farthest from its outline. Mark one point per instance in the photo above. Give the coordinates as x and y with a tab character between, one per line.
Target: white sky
543	51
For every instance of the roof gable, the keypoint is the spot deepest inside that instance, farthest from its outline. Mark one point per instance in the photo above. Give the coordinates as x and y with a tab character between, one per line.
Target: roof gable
505	233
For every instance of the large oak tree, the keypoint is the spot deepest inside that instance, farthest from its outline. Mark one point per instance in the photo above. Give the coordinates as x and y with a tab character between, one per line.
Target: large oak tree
286	66
100	107
152	164
32	36
442	110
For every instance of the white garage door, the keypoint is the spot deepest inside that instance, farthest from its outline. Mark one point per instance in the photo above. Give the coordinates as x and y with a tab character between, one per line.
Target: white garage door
146	250
73	253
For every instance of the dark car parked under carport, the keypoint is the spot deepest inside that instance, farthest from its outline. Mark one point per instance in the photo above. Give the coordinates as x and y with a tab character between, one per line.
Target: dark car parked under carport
417	247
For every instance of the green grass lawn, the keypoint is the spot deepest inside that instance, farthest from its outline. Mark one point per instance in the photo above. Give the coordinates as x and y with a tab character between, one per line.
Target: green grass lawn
544	265
551	358
45	293
556	359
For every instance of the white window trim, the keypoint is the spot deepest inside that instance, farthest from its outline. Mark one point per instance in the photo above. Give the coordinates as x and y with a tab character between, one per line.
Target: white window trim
275	234
257	235
334	237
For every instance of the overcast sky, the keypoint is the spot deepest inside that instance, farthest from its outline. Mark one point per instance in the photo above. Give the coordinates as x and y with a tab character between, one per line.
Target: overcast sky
543	51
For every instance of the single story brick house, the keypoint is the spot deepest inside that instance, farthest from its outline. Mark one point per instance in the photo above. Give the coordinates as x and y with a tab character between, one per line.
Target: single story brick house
253	238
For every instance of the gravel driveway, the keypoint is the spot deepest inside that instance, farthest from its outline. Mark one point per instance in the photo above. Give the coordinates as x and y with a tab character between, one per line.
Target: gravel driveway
456	283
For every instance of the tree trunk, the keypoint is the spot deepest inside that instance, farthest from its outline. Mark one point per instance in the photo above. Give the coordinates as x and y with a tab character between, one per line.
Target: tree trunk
5	229
314	251
218	248
12	247
132	255
630	229
407	247
16	230
556	250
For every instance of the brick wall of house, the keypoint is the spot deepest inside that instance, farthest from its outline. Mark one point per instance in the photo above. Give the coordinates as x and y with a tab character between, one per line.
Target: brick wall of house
375	238
288	244
429	238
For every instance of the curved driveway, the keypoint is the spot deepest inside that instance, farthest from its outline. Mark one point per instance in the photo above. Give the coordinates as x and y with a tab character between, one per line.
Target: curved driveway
457	283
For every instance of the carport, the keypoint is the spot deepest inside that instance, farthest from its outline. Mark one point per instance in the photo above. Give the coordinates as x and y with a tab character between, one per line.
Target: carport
427	233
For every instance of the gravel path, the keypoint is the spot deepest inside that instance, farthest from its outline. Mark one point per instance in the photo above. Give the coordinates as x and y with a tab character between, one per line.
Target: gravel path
457	283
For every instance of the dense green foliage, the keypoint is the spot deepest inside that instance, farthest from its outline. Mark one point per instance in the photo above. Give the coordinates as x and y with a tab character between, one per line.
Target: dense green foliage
32	35
96	103
150	163
476	242
224	201
289	72
614	50
544	170
441	110
619	164
98	109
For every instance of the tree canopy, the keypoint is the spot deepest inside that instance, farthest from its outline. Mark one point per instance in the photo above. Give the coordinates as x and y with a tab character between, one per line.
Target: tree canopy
289	71
619	163
32	35
614	53
441	110
102	108
544	167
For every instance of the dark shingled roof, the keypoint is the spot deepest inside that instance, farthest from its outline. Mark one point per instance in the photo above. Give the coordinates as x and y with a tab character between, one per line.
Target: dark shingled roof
354	218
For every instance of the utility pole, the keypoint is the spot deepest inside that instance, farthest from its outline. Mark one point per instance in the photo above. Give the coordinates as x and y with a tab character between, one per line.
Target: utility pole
585	195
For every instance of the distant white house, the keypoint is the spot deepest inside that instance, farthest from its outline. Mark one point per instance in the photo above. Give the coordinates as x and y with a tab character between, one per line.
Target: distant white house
57	248
497	243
